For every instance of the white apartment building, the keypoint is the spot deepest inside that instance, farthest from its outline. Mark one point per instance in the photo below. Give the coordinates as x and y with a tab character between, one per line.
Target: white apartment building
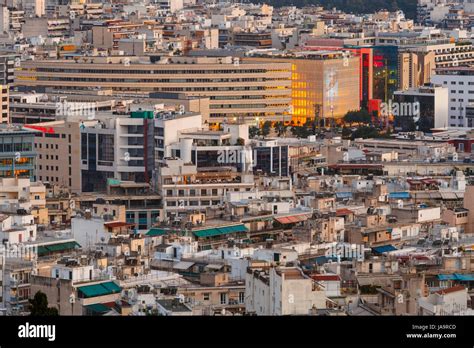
183	189
17	229
281	291
460	83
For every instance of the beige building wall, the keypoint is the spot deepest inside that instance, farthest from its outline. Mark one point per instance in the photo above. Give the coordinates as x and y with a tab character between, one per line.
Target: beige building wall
415	69
4	105
59	154
469	204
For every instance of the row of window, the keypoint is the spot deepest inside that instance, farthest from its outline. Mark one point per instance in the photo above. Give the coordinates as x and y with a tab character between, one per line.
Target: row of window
157	72
46	146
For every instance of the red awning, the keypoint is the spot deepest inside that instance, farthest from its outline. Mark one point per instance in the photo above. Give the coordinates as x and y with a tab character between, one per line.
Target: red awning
291	219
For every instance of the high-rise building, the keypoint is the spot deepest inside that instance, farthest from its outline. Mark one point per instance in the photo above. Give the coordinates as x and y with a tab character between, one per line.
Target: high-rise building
415	69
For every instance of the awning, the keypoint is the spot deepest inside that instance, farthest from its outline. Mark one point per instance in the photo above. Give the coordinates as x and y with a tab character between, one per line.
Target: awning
399	195
51	248
183	265
457	276
98	308
343	195
211	232
291	219
446	277
384	249
154	232
99	289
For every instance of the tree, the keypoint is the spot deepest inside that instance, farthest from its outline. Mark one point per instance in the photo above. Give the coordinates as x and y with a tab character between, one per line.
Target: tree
253	132
39	306
267	125
280	128
300	132
346	133
361	116
365	132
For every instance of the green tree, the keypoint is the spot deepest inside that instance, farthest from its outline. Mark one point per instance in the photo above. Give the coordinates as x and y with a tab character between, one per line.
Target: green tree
253	132
360	117
39	306
280	128
267	125
365	133
346	133
300	132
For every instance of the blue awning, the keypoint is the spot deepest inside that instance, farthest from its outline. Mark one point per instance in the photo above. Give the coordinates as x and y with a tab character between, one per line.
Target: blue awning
343	195
399	195
464	277
384	249
446	277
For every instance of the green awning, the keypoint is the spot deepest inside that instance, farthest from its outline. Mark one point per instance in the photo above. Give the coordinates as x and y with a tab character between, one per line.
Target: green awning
99	289
111	286
98	308
211	232
154	232
42	250
51	248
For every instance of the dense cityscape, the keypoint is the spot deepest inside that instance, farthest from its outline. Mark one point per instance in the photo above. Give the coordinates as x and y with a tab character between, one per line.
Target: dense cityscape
216	158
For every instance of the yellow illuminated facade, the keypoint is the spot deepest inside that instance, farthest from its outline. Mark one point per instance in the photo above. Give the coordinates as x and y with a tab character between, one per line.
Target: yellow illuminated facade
327	87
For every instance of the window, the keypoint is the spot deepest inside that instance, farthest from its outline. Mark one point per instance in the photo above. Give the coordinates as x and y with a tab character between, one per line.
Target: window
241	297
206	296
223	297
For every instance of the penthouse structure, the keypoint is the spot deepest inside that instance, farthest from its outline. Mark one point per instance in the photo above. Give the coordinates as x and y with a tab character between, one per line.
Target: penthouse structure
243	90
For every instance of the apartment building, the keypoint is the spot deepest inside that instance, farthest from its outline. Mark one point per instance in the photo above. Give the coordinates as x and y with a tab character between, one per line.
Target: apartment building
72	286
244	90
116	148
258	39
21	193
460	83
211	300
57	144
281	291
185	189
7	65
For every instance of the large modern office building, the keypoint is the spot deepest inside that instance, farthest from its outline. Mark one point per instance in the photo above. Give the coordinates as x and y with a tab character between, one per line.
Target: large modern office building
237	89
325	84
